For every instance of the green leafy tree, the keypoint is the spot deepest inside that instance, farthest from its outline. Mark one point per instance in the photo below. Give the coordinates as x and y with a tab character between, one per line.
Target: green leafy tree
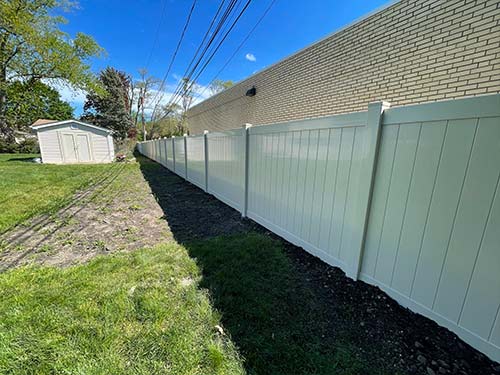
167	123
219	85
143	88
27	102
189	88
112	109
32	48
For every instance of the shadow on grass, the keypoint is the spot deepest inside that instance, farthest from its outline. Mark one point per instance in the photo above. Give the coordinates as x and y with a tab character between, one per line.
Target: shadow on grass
268	309
273	317
24	159
95	187
290	313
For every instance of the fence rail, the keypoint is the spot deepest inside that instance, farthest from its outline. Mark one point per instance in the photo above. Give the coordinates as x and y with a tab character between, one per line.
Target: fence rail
405	198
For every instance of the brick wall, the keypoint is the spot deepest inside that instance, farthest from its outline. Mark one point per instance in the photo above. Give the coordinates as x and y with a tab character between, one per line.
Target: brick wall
411	52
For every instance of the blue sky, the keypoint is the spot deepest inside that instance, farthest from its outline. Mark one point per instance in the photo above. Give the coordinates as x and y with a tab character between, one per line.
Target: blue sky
126	29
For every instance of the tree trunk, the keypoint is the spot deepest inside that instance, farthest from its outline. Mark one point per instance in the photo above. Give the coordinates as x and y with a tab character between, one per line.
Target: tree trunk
143	122
5	131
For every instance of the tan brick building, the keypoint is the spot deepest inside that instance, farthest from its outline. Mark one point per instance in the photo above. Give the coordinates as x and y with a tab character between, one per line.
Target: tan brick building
412	51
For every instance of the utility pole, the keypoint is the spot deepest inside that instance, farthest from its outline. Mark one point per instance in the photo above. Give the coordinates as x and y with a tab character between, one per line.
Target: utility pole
141	100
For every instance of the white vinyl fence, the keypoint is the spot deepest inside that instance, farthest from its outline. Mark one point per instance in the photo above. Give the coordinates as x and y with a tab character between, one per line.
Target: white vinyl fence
195	153
405	198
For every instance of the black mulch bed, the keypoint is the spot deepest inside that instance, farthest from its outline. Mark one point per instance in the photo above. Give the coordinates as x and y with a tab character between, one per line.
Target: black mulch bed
404	342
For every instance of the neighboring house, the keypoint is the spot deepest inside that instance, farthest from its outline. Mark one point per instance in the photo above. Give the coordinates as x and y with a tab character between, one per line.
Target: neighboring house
72	141
409	52
20	136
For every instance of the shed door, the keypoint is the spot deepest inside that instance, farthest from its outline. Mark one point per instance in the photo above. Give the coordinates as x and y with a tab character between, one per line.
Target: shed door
69	148
83	147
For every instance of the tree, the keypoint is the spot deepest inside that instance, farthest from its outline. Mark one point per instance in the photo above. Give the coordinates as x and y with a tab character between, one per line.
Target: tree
112	109
173	113
166	123
27	102
187	96
144	87
219	85
33	48
164	127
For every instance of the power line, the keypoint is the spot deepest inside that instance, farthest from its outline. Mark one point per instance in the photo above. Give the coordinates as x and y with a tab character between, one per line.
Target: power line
176	49
220	43
157	102
174	100
240	46
160	23
188	73
215	33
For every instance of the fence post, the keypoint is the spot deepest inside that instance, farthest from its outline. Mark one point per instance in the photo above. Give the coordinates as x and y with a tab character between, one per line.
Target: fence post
165	141
367	177
205	149
173	152
185	157
159	151
246	161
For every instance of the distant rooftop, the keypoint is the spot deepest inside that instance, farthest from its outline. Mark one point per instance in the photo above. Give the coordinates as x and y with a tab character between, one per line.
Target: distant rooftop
42	121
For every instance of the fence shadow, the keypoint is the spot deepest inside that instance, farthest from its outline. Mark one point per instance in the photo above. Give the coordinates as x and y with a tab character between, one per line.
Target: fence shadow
272	311
290	313
190	212
73	206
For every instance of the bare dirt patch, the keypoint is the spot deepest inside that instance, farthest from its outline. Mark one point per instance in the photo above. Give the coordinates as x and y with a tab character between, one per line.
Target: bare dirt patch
117	214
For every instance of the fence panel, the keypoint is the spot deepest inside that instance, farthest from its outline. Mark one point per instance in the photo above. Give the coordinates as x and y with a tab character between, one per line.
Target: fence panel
151	154
430	237
161	146
433	239
226	167
303	179
168	151
156	146
180	156
150	150
170	154
196	160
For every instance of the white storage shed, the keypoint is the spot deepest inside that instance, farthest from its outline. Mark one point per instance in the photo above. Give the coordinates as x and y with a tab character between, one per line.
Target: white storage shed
72	141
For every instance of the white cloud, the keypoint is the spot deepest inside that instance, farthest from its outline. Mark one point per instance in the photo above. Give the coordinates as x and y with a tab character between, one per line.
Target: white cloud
72	96
67	93
200	93
75	97
250	57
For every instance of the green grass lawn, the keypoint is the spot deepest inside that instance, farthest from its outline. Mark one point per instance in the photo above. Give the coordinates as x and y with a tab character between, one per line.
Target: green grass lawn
136	313
275	320
158	310
28	189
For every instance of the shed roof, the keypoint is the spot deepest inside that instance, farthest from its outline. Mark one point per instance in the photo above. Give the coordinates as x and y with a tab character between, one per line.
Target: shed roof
41	124
42	121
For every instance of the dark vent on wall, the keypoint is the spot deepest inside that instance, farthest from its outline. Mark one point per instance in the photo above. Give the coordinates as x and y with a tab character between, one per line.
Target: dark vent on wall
251	92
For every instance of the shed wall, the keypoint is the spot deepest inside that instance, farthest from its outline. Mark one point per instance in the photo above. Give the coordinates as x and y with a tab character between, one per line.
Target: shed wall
101	143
